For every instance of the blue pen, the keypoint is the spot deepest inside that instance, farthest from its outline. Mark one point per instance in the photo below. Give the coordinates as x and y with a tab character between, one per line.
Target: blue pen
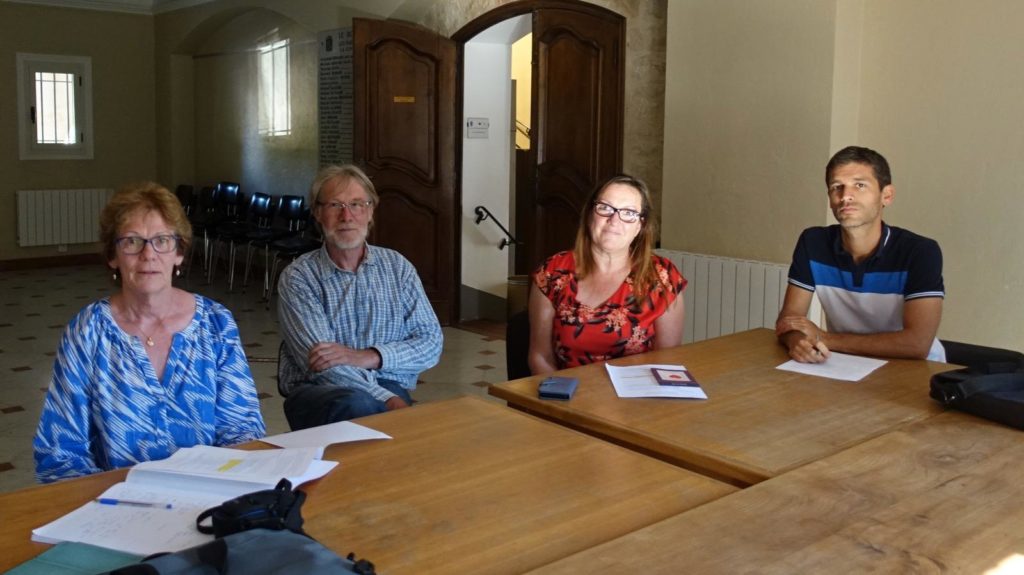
109	501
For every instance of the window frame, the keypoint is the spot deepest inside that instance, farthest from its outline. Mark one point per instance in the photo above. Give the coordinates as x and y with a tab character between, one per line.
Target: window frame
28	147
267	124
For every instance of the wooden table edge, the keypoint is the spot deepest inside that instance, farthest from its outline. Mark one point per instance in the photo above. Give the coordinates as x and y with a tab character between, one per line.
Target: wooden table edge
717	467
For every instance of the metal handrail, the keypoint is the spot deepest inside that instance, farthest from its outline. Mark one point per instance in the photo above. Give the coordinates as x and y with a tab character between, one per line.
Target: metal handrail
522	128
482	214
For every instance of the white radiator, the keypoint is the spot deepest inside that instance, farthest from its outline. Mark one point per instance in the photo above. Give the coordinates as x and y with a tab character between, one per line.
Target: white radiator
726	295
60	217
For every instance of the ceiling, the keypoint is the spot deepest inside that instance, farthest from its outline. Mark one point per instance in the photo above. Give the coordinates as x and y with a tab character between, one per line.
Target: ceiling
131	6
382	8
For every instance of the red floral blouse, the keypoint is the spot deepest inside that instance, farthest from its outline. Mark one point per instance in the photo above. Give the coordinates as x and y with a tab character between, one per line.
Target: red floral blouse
619	326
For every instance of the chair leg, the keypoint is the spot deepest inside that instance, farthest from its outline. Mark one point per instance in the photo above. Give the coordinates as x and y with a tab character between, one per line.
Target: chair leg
213	264
231	267
273	281
191	254
248	265
266	271
206	253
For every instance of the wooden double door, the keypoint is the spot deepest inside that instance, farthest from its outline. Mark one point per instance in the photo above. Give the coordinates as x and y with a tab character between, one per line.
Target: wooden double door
407	133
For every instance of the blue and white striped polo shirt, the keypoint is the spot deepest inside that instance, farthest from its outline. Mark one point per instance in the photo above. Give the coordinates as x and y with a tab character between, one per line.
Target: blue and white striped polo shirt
869	297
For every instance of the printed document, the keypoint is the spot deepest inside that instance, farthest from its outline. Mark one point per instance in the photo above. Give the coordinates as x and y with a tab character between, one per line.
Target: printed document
155	508
838	366
641	381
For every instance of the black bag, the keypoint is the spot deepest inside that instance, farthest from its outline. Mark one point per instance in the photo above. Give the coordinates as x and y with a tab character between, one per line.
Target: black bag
983	392
277	508
257	533
253	552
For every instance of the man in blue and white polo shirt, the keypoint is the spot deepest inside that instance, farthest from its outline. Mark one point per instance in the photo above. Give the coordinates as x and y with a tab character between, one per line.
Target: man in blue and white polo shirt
880	286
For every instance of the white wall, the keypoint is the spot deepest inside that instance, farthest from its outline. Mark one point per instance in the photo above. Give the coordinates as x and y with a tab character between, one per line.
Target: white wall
486	166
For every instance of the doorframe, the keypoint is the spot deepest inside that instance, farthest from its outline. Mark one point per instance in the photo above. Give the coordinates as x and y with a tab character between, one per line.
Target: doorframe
464	34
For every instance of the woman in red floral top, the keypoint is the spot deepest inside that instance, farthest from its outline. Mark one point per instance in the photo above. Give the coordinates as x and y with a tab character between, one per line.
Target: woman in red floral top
611	295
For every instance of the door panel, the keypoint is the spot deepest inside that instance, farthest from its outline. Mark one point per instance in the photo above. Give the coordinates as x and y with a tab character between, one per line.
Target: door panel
576	129
404	123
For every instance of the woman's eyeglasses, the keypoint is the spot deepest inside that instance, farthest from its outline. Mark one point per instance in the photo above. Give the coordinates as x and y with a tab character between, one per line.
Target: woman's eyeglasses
626	215
162	244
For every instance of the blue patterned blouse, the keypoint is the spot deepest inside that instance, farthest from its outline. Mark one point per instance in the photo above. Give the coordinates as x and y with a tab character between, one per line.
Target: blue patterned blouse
106	409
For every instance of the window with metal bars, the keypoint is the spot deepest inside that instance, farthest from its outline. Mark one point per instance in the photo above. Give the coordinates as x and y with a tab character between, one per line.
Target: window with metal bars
54	107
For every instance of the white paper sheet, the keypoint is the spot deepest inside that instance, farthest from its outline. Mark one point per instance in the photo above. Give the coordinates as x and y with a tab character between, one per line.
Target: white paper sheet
324	435
838	366
138	530
639	381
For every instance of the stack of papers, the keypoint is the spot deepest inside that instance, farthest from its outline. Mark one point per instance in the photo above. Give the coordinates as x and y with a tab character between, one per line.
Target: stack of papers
155	508
643	381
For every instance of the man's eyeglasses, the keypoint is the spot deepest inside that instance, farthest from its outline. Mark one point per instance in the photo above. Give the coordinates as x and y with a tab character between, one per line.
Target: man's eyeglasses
355	208
626	215
162	244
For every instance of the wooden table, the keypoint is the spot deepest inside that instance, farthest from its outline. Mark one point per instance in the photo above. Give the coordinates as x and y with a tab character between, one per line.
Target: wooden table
938	496
465	486
758	422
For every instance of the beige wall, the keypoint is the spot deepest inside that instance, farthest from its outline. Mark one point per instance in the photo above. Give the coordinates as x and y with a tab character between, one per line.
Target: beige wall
121	48
943	97
759	95
748	92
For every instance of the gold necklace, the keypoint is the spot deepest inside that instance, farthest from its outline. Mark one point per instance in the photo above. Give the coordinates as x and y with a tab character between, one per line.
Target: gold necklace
138	324
149	338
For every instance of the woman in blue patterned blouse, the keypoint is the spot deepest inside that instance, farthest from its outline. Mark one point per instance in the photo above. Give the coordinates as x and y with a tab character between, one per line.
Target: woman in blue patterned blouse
150	369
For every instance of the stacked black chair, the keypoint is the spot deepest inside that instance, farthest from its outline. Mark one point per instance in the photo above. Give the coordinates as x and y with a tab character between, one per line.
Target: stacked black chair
187	197
289	220
291	247
230	200
260	233
240	225
203	218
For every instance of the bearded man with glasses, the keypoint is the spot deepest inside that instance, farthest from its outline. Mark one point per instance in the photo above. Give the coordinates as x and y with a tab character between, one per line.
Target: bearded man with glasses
150	369
611	295
358	328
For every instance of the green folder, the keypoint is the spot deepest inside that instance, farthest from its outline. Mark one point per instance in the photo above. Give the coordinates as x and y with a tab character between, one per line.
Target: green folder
69	558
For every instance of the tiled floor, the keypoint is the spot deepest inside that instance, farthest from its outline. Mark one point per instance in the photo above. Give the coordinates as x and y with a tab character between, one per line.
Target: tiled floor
36	304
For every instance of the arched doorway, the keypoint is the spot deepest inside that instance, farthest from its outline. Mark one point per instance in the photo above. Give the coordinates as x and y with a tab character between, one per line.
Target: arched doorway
406	124
576	122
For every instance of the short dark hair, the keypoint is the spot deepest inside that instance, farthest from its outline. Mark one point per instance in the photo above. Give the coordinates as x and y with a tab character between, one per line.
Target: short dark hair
859	155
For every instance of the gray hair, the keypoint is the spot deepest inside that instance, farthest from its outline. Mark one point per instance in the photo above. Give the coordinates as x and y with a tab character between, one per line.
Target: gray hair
346	172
